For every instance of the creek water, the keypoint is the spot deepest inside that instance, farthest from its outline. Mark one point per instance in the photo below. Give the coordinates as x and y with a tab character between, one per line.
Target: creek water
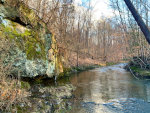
110	90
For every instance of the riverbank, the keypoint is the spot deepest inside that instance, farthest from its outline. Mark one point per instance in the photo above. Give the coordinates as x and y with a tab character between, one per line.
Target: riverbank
45	94
69	71
138	73
48	95
40	98
138	68
48	99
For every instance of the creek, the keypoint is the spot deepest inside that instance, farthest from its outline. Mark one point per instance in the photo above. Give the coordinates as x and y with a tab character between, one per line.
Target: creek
109	90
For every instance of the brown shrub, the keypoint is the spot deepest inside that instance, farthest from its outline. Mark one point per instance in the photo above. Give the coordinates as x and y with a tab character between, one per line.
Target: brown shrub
11	93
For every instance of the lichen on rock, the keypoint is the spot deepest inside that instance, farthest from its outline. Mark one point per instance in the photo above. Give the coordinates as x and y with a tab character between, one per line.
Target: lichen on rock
36	51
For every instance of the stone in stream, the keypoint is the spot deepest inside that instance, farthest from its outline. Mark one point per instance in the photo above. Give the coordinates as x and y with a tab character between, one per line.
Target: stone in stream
130	105
48	99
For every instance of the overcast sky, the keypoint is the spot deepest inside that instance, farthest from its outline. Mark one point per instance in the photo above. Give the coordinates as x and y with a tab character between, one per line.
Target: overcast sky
101	8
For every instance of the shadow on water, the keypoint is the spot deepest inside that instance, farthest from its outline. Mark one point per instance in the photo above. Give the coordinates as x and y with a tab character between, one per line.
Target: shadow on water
107	86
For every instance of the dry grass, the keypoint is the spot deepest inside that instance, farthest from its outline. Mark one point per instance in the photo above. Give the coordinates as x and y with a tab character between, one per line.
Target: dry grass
11	93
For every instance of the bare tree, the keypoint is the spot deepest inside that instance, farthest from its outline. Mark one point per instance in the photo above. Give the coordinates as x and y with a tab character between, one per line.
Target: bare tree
139	20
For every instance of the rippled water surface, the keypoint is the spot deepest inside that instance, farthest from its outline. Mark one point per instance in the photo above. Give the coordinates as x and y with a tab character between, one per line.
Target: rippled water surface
110	89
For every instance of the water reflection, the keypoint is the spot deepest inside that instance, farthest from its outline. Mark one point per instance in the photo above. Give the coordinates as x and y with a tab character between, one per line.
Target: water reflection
104	84
147	90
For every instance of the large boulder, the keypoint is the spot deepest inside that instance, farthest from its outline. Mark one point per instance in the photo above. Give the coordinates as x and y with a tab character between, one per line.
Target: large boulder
35	51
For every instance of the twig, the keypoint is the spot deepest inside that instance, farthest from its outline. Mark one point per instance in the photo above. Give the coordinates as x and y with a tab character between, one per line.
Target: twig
132	73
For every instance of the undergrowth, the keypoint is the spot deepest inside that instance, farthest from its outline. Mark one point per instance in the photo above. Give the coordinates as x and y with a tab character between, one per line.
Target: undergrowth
11	93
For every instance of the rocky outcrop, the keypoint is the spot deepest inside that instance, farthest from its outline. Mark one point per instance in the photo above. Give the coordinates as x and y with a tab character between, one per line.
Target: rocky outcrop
35	50
49	99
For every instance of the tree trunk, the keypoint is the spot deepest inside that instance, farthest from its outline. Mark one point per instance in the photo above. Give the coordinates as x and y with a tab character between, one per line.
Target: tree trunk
139	20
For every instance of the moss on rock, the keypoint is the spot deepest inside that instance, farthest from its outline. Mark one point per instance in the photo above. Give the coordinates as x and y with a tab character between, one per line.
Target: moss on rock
36	48
25	85
142	72
27	40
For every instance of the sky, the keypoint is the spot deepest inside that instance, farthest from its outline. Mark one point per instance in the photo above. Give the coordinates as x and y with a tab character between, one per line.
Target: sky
101	8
